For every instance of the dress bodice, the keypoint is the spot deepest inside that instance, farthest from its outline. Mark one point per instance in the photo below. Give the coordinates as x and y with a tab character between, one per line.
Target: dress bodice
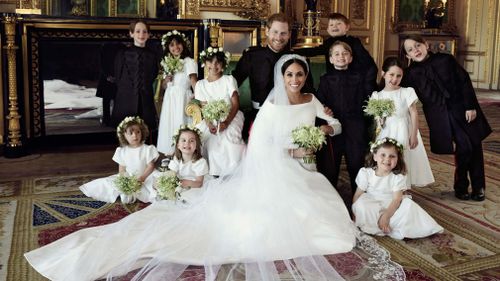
222	88
181	78
135	159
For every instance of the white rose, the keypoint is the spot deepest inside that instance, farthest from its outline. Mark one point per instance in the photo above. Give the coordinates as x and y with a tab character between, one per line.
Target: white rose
210	49
215	50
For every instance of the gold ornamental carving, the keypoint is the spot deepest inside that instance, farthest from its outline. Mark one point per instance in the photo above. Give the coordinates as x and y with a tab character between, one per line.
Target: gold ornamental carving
254	9
13	116
249	9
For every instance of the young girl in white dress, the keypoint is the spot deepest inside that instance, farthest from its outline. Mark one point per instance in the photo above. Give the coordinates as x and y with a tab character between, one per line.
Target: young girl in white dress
178	91
402	125
190	166
222	143
134	159
379	205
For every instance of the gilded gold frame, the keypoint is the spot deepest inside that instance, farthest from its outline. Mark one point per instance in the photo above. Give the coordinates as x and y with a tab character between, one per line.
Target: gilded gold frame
192	9
252	31
398	25
33	111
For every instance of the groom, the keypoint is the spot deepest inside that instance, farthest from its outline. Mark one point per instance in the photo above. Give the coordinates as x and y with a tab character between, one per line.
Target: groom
257	64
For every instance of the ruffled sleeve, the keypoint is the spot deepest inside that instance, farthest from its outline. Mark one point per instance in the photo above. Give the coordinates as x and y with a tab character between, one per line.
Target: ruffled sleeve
362	179
232	85
118	157
399	183
190	66
410	96
174	164
200	167
375	95
199	94
151	153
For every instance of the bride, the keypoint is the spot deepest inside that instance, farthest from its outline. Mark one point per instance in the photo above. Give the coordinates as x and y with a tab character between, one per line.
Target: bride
269	220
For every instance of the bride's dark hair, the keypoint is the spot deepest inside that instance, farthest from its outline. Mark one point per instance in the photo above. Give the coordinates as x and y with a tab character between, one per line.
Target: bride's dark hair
291	61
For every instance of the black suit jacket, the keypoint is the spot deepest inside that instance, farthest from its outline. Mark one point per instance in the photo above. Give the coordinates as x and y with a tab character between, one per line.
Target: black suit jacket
446	92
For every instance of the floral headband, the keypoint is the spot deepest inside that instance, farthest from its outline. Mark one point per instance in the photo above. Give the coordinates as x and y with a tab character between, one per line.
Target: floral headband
165	37
185	127
376	144
210	51
124	124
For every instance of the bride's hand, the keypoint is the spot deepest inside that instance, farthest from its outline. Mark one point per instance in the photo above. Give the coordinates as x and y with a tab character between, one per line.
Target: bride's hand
301	152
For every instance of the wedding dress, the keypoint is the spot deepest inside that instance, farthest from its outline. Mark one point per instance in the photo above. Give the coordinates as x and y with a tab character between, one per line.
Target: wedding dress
271	219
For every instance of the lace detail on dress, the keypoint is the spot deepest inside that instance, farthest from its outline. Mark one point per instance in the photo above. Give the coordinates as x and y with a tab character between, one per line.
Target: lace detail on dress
379	260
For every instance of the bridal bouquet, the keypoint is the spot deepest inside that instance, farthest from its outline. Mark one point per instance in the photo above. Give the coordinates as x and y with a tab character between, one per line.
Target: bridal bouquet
380	109
171	65
128	184
166	185
308	137
215	111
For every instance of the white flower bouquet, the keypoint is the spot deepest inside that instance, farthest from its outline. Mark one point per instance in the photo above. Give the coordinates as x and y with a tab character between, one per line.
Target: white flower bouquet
128	185
215	111
308	137
166	184
380	109
171	65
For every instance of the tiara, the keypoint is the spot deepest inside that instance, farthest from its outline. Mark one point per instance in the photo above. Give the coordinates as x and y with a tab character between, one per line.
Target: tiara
185	127
124	124
210	51
374	145
165	37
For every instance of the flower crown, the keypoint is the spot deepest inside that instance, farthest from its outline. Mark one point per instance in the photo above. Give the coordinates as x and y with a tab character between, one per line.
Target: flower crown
374	145
165	37
185	127
124	124
210	51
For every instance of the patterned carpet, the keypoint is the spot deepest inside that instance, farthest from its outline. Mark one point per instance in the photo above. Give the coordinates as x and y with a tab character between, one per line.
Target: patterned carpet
35	211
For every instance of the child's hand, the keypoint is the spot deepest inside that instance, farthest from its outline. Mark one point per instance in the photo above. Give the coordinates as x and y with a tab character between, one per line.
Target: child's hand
212	128
470	115
141	178
383	223
223	126
413	141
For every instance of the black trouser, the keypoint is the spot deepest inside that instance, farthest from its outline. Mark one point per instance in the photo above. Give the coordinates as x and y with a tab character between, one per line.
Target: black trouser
247	124
468	160
354	154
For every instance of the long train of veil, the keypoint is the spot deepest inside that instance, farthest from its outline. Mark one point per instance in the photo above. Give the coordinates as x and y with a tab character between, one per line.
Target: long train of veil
270	219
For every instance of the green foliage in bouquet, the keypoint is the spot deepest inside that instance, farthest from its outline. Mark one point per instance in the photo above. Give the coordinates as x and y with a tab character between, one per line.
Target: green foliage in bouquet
379	107
128	184
171	65
309	137
166	184
215	110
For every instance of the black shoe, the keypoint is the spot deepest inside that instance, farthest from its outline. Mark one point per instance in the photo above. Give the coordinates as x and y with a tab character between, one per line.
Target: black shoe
462	196
478	196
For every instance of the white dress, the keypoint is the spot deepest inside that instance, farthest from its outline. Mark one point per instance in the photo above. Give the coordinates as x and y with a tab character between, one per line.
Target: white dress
190	171
398	126
223	150
176	97
135	161
409	220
